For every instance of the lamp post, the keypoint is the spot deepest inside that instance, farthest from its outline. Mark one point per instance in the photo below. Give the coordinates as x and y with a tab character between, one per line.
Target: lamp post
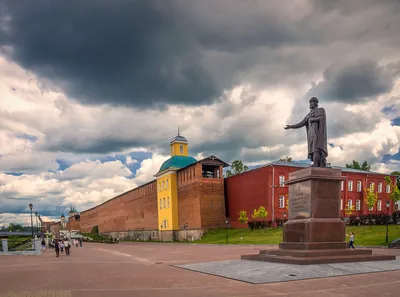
387	220
186	227
40	225
31	206
37	227
284	217
226	225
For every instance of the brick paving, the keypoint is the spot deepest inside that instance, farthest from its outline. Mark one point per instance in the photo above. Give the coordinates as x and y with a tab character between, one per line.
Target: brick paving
143	269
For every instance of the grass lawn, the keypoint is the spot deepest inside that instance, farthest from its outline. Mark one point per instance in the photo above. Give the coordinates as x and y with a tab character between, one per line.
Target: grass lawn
364	235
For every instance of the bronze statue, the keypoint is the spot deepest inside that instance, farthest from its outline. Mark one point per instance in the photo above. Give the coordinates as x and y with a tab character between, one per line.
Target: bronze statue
315	123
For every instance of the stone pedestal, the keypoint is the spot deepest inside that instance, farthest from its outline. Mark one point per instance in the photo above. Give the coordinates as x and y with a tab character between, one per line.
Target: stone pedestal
314	232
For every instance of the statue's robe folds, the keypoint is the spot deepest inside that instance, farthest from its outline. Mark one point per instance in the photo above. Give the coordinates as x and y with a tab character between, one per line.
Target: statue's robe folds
316	132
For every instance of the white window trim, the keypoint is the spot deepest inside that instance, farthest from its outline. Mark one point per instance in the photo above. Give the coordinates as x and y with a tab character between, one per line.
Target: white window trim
358	204
372	186
379	205
349	203
341	204
359	186
387	188
341	186
281	180
379	187
282	199
350	186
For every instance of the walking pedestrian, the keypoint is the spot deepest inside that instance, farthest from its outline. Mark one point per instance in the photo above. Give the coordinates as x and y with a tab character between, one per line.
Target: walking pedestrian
43	245
67	246
76	242
351	241
61	246
80	241
57	248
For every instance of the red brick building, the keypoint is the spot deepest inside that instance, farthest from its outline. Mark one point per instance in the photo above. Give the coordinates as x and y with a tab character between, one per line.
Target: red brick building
264	186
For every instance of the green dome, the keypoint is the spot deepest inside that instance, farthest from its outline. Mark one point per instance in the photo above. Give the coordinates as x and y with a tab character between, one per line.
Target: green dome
177	162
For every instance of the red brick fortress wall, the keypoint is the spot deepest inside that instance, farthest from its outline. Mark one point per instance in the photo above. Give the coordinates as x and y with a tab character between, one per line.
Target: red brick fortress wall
132	210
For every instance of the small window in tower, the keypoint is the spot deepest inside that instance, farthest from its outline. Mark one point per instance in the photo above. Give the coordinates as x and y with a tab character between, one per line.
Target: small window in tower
181	148
164	202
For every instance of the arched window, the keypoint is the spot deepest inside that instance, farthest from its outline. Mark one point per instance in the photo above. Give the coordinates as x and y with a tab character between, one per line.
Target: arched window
181	148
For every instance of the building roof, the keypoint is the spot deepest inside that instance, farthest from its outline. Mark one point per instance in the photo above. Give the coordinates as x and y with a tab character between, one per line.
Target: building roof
177	162
179	138
304	165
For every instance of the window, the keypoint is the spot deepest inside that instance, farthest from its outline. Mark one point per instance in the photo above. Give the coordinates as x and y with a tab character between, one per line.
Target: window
341	185
359	185
380	188
387	188
349	203
160	204
165	223
167	202
281	180
159	186
350	185
372	186
379	205
167	183
181	148
163	202
281	201
358	204
341	204
163	185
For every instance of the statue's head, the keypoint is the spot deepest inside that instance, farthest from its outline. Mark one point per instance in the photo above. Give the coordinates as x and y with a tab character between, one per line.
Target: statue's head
313	102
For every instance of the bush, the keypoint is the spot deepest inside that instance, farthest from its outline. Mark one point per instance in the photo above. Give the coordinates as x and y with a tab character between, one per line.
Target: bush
396	216
95	230
354	220
380	218
364	219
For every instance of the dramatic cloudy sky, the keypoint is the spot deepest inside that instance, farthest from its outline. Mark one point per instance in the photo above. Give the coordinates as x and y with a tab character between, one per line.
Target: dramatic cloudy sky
91	92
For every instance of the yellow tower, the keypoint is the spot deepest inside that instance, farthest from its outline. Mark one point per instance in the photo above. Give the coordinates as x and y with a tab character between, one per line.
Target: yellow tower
167	183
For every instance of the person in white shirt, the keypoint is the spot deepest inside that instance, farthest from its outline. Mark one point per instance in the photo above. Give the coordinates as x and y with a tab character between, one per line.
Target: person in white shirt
67	246
351	241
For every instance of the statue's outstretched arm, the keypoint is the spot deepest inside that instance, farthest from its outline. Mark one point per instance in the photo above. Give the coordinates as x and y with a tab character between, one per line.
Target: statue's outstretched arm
299	125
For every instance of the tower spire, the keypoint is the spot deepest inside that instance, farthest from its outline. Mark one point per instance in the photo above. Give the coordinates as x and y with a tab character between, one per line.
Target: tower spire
178	131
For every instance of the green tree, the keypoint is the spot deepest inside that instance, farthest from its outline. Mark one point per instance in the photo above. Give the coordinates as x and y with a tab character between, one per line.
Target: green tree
397	174
243	218
370	197
15	227
349	210
356	165
394	194
259	213
237	167
286	159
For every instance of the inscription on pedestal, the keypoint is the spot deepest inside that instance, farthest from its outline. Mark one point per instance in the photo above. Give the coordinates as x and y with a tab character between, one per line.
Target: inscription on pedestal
300	200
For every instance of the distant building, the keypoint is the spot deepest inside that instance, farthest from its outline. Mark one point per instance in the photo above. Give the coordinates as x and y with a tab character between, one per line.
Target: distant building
264	186
189	196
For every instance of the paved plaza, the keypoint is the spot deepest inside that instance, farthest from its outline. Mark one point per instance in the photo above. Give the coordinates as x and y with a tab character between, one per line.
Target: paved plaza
142	269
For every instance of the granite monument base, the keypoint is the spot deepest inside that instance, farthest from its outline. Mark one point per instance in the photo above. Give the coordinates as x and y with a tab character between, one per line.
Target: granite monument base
314	233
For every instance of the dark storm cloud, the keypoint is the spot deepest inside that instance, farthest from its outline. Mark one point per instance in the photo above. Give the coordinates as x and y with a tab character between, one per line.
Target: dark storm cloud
354	82
133	52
